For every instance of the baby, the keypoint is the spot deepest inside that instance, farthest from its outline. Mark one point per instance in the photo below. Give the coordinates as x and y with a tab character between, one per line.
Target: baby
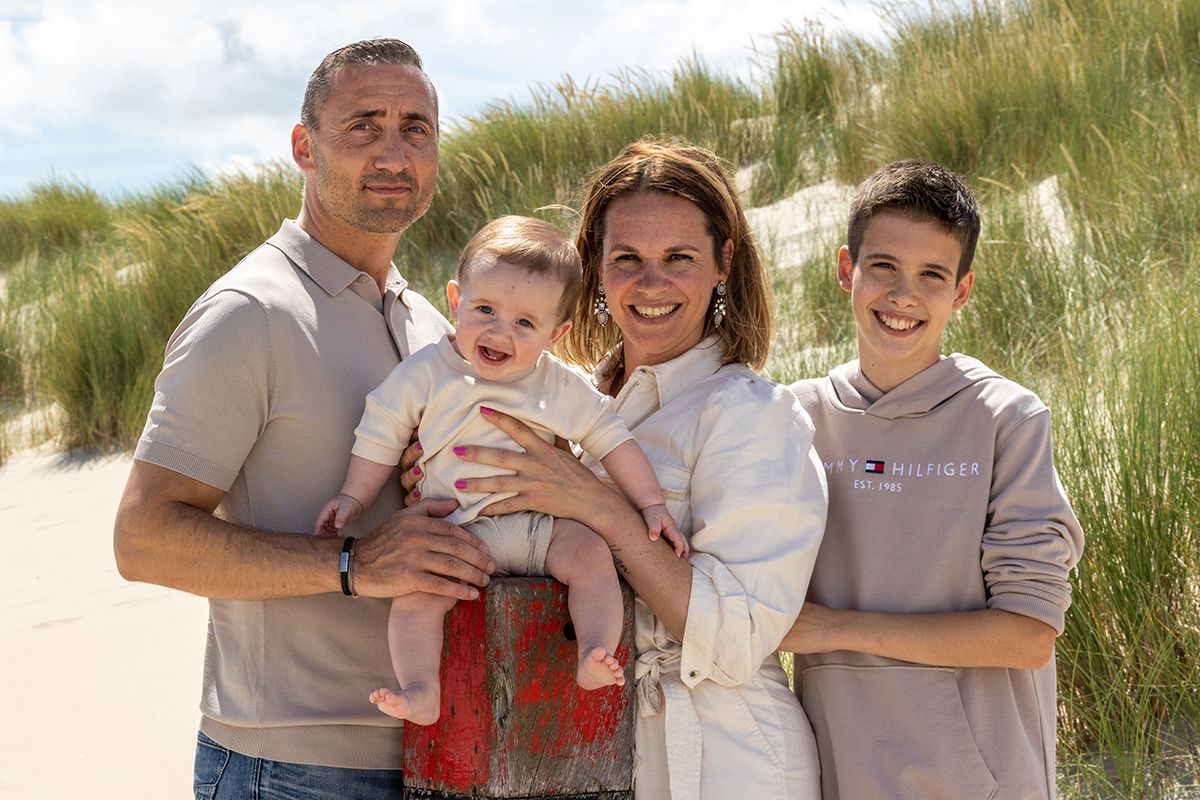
518	281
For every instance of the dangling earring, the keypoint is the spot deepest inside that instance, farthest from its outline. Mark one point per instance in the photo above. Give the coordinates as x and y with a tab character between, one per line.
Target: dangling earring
600	307
719	305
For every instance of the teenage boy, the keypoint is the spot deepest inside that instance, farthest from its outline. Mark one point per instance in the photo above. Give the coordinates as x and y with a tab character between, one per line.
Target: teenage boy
925	655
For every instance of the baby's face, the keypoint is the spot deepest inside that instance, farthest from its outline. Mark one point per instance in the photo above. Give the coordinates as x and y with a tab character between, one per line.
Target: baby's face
504	317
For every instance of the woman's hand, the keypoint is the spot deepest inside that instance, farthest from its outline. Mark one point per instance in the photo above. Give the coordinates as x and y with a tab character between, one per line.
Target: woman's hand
410	473
547	479
553	482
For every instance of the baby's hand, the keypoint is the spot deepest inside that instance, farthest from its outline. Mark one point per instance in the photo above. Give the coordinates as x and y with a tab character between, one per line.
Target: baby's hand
334	516
659	523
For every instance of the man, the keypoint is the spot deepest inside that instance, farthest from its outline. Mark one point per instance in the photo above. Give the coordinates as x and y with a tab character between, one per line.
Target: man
250	429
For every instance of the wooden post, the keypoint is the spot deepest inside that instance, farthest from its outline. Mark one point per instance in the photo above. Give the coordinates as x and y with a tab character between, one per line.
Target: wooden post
514	724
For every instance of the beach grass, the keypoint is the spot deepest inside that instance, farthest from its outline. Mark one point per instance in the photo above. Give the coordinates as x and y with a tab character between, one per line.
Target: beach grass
1075	120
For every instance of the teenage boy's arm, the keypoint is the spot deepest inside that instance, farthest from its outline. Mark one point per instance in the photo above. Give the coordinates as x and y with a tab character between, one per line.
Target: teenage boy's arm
166	534
1031	542
983	638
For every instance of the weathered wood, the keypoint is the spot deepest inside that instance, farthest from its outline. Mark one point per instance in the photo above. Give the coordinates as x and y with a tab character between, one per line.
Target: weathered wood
514	724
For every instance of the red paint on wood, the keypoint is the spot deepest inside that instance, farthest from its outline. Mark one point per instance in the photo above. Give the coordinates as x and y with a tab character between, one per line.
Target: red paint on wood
514	723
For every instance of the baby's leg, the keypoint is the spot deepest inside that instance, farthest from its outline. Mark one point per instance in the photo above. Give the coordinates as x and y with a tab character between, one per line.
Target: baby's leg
578	557
415	642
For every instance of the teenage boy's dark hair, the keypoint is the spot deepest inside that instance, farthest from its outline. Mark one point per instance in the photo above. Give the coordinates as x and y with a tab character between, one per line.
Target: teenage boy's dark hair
920	190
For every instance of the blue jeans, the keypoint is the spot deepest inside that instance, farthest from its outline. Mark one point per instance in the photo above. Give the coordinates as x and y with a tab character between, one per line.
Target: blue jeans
222	774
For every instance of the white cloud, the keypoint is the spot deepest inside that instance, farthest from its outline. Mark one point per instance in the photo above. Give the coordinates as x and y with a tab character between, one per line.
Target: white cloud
209	79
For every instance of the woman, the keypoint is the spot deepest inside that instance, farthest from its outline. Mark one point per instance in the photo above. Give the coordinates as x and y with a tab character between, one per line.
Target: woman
675	312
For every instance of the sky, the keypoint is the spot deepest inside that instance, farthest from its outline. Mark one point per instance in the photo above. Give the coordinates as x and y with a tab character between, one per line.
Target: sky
125	95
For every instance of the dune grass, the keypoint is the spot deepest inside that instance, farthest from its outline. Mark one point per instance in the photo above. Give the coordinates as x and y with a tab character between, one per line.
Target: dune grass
57	215
1091	300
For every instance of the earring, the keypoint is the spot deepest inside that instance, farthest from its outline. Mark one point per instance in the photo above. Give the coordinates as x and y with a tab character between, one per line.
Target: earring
600	307
719	306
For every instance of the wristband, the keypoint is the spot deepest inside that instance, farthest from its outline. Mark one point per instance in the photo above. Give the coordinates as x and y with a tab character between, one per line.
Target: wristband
346	567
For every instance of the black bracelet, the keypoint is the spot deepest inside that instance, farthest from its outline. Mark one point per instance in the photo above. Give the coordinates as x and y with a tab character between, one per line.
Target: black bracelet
346	567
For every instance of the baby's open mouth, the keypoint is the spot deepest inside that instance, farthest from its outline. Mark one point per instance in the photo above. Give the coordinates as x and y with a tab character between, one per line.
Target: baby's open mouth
492	356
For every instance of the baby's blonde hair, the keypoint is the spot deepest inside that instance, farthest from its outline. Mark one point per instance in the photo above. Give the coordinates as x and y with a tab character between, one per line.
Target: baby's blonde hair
531	244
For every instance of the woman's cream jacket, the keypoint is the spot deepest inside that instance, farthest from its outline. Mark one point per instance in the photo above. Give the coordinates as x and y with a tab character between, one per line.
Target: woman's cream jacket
734	455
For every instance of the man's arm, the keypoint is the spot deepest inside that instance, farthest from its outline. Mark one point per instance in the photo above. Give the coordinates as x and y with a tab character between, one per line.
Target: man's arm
984	638
166	534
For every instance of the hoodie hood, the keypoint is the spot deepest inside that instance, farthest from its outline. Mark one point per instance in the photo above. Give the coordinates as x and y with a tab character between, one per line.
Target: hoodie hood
918	395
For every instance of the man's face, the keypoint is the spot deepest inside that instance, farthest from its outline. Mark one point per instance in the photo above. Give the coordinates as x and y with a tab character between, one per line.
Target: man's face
373	157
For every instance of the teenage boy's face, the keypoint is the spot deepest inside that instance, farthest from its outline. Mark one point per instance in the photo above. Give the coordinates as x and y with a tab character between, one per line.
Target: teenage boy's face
903	292
504	317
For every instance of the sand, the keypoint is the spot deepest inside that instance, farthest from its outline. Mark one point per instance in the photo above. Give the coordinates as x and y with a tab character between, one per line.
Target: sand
100	677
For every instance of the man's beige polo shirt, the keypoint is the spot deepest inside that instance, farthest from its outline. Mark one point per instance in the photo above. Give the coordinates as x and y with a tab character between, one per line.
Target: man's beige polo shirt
262	386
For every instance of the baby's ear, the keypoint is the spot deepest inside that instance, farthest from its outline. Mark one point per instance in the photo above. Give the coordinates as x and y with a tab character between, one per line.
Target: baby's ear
452	297
560	332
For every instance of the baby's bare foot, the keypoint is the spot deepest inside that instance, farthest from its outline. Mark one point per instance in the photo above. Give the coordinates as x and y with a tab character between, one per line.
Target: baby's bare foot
420	703
597	668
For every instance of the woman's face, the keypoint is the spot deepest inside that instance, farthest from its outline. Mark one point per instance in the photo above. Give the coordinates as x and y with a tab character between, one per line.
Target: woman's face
659	266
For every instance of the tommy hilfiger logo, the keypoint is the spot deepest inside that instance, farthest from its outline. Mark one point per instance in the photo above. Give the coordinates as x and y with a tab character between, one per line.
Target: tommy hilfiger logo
904	469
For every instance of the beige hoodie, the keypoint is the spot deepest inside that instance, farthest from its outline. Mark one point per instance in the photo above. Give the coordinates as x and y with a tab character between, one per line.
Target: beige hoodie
942	497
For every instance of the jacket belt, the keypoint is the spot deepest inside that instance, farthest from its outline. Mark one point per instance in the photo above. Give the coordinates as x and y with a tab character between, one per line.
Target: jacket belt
661	691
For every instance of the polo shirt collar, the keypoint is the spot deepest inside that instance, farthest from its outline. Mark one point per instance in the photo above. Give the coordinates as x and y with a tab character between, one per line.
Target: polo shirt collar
326	269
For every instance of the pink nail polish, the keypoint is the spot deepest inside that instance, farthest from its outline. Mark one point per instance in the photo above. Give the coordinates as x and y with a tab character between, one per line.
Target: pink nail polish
417	471
460	451
419	448
460	484
416	493
486	410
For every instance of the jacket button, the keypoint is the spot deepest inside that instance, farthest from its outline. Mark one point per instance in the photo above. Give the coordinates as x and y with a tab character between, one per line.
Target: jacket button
692	674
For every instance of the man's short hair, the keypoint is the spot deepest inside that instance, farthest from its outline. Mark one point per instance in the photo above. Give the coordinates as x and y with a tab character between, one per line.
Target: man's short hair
531	244
921	190
369	51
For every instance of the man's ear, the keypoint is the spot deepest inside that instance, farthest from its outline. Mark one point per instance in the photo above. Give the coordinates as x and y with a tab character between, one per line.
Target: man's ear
962	292
845	266
302	149
453	295
560	332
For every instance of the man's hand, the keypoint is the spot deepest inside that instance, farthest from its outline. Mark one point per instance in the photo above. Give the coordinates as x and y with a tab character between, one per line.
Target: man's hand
414	551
